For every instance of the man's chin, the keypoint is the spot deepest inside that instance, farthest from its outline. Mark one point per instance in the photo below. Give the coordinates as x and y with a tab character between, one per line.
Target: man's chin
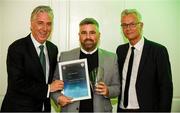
89	48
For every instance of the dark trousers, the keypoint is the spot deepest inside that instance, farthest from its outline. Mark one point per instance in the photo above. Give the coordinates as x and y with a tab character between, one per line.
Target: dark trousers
127	110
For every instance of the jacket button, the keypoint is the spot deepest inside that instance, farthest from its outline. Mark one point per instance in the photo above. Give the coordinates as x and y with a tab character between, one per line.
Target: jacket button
77	108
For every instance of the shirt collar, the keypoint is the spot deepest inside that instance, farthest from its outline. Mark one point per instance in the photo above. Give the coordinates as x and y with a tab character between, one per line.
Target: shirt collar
138	45
84	51
36	43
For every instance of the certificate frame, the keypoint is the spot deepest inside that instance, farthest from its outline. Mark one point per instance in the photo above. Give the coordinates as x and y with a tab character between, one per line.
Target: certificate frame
76	79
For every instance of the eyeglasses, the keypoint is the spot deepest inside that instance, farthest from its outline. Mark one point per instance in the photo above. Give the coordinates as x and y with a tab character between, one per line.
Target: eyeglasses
131	25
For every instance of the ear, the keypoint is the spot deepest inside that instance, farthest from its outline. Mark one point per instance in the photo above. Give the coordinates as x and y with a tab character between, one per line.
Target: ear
99	36
142	24
31	25
79	36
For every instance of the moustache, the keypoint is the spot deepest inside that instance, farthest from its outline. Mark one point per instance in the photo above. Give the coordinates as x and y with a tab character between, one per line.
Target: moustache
88	40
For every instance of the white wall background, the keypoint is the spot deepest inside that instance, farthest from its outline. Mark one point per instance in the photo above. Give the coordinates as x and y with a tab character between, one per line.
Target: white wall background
161	24
1	65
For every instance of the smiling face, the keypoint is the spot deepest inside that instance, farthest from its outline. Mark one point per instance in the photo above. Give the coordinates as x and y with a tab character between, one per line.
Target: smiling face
132	28
41	26
89	36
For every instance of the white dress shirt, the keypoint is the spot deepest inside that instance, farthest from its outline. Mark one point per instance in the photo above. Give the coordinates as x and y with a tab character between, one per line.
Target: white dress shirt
36	45
132	102
91	52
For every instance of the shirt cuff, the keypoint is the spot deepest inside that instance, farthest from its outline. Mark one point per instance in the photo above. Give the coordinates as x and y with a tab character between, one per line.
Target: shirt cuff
48	91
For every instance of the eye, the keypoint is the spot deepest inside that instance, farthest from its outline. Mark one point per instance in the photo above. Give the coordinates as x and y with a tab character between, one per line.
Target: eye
124	25
92	32
130	25
83	33
49	23
39	22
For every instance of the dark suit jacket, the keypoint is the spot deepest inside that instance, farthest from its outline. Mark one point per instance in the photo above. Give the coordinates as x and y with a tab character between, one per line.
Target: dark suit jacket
27	88
154	80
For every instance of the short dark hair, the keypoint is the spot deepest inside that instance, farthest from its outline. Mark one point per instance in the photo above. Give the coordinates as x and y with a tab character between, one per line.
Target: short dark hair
89	21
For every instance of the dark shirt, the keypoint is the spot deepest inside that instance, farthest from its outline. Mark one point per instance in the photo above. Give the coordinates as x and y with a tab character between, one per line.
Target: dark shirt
92	60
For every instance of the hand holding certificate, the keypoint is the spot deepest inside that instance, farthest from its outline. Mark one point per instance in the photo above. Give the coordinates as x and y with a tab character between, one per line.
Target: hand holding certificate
76	79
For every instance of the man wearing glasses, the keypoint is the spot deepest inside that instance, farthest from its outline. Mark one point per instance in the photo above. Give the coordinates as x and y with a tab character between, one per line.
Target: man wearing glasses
144	68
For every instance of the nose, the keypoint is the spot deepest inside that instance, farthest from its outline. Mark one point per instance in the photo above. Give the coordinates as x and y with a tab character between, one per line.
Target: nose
45	27
128	26
88	35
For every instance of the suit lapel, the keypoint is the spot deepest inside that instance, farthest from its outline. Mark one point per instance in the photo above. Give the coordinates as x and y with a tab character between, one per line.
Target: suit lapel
101	58
31	48
50	56
76	53
122	53
49	51
144	57
34	56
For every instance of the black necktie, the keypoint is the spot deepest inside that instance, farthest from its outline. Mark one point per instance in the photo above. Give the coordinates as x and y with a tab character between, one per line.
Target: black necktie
126	91
42	58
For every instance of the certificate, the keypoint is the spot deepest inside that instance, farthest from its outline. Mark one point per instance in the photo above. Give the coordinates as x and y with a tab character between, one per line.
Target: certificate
76	79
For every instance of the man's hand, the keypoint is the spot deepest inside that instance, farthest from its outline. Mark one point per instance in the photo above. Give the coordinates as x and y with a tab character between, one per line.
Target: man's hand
102	89
63	100
56	85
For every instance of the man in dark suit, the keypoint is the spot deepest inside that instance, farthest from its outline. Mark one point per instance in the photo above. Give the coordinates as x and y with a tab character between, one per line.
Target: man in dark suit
147	81
30	68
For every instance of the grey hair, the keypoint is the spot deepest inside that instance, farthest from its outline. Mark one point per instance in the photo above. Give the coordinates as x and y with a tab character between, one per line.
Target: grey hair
89	21
131	11
42	8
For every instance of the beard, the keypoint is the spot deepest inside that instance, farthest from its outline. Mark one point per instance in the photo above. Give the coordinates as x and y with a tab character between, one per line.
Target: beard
88	44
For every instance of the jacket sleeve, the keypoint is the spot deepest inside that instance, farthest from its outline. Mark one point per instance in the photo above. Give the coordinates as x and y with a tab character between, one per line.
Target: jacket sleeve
114	86
164	80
